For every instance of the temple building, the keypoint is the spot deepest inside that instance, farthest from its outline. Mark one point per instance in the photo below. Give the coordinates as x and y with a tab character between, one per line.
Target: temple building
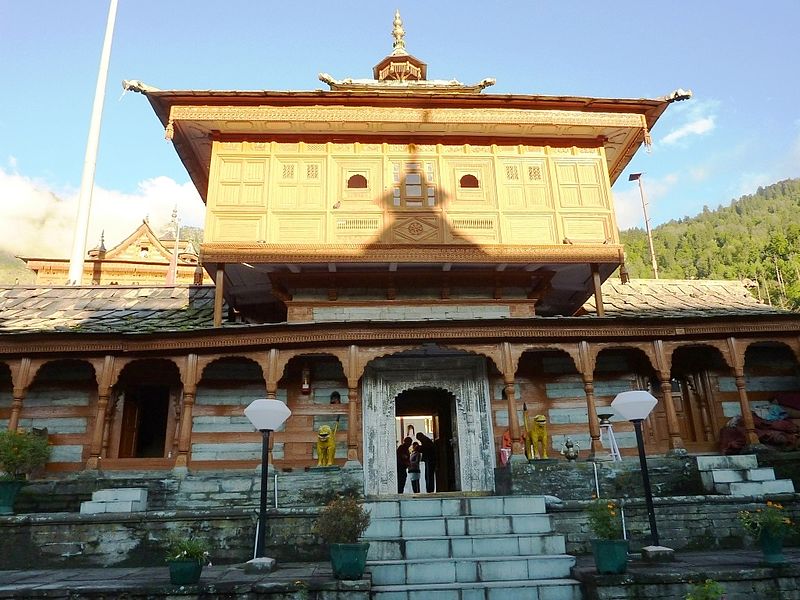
424	251
143	258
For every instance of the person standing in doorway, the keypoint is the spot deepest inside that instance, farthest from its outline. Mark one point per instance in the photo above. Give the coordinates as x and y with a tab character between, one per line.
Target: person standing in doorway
428	451
403	462
413	467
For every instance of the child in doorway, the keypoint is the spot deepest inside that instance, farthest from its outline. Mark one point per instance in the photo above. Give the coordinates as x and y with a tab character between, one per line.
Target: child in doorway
413	466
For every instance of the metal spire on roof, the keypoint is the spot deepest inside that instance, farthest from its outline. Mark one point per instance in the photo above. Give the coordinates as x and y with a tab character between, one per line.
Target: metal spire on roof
398	33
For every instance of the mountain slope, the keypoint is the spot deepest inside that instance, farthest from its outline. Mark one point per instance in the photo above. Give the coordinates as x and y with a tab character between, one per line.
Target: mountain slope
756	237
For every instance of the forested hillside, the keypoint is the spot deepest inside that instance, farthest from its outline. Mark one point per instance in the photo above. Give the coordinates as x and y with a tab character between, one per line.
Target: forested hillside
757	237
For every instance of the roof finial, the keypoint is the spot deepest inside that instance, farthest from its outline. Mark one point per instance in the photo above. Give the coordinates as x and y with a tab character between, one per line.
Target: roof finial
398	33
102	246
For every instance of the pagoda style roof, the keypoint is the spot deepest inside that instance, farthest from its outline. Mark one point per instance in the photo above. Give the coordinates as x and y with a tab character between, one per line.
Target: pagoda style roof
399	102
165	309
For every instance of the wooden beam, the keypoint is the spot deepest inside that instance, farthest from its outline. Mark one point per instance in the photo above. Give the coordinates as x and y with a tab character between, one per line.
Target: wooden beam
219	294
598	293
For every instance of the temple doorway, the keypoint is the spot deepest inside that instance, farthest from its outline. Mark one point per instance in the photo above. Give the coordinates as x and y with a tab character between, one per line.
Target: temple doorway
451	389
144	422
431	411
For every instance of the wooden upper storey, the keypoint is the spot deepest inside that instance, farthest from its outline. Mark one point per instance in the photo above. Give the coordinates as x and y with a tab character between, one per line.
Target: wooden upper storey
371	193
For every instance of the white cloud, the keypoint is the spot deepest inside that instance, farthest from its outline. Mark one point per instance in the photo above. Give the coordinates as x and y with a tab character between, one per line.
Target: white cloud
628	202
696	127
696	117
37	221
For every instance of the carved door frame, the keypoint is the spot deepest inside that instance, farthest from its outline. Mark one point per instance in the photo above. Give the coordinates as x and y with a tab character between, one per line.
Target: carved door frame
464	377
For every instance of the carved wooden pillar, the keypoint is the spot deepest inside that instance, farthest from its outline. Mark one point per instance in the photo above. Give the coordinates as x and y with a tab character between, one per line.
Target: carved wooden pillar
103	394
219	283
510	393
21	379
353	370
737	361
586	368
187	405
271	377
663	368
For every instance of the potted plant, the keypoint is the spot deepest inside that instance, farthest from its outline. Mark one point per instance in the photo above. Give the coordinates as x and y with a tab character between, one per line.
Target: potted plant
21	453
706	590
186	556
768	525
340	524
609	549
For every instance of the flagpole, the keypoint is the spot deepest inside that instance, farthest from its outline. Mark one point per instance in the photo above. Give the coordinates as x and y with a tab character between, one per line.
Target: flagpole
90	160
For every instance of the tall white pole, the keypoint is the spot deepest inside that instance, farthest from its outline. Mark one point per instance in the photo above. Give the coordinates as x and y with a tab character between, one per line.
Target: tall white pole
90	160
653	262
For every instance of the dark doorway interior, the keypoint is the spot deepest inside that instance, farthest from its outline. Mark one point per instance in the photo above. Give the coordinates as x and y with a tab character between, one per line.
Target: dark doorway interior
438	406
144	421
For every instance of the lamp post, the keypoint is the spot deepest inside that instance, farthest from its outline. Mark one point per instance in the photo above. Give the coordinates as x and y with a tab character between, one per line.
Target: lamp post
635	406
266	415
653	263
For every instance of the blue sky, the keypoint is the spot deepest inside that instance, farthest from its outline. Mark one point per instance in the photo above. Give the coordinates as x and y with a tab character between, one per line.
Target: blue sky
741	130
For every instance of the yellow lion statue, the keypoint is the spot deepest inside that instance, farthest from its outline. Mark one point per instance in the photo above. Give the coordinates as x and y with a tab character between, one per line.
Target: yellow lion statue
536	434
326	445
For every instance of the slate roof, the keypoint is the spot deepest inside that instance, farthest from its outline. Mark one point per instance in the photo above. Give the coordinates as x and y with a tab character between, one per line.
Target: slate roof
150	309
680	298
118	309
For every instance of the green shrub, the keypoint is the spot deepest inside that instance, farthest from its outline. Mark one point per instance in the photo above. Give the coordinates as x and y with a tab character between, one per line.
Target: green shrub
706	590
342	521
604	519
22	452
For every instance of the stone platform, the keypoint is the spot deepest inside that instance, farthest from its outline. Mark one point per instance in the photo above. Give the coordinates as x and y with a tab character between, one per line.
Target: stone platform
310	581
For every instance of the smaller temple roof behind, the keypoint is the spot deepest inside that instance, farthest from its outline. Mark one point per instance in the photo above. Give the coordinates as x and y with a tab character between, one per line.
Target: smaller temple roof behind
108	309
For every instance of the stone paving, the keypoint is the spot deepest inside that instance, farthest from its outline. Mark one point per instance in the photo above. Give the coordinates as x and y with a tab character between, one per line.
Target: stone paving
739	571
289	580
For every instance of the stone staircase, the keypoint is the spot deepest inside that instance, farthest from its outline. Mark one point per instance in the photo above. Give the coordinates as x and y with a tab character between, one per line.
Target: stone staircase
740	476
467	548
116	500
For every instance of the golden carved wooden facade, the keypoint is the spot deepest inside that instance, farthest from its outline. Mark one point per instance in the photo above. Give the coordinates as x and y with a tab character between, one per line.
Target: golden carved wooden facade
341	193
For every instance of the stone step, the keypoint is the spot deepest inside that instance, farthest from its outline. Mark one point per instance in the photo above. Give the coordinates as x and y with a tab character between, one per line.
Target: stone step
543	589
710	478
466	546
422	527
470	570
742	461
444	507
758	488
116	500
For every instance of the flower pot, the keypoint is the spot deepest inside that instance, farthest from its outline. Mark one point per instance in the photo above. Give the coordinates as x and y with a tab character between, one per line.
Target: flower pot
772	547
8	493
348	560
610	556
185	572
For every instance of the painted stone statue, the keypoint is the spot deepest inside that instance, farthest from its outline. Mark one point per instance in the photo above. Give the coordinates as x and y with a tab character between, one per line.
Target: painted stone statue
326	444
536	435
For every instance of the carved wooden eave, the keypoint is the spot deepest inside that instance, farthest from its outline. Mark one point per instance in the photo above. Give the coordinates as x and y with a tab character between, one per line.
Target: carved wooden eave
193	119
421	254
232	339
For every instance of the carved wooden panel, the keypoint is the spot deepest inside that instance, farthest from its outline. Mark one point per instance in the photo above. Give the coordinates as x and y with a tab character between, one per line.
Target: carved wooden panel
586	229
242	184
530	229
298	228
421	228
472	228
237	227
357	227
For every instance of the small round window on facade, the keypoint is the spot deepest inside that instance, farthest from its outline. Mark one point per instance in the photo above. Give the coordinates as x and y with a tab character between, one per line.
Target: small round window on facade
469	181
356	182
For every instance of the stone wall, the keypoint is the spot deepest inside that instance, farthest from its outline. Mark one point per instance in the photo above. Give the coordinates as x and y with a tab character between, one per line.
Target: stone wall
576	480
684	523
199	490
